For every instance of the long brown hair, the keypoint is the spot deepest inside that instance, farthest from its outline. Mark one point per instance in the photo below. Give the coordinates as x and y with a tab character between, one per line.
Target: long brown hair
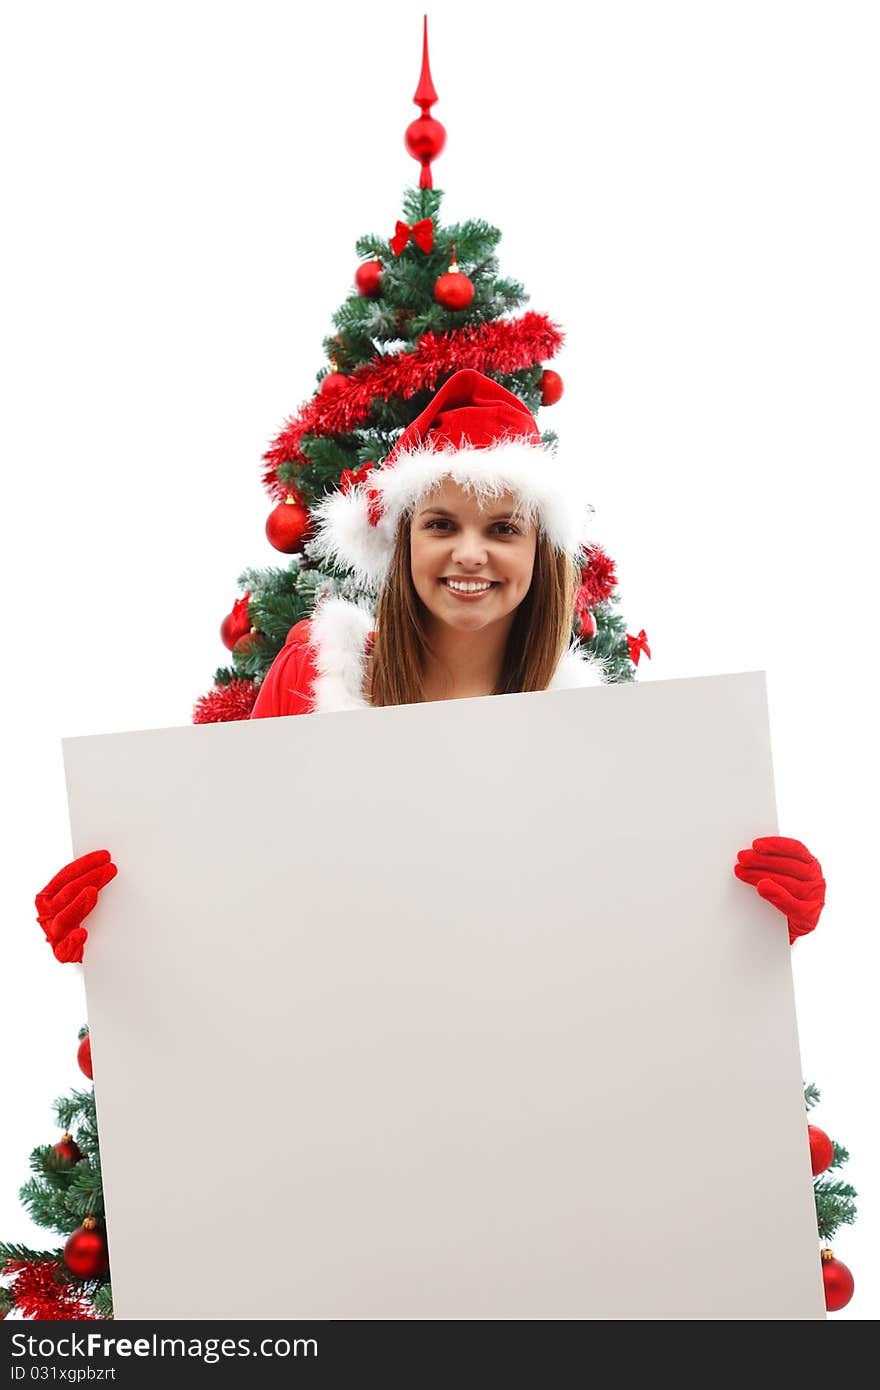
539	634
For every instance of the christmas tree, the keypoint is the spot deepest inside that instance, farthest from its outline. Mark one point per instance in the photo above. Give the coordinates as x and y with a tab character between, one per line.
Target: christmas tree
65	1195
835	1207
427	301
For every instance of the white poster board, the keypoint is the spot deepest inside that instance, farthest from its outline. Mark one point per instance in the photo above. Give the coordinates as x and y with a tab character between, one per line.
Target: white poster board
448	1011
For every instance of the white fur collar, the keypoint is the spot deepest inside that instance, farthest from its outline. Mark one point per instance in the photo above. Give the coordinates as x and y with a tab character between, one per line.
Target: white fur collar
339	635
339	638
577	670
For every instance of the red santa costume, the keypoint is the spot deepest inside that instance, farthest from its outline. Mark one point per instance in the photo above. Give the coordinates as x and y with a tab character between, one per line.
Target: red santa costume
480	436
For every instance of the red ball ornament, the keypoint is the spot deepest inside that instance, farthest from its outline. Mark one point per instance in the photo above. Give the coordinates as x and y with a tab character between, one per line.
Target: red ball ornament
84	1056
68	1148
838	1281
589	626
551	387
236	623
821	1150
245	645
288	526
333	383
454	290
85	1252
425	138
367	278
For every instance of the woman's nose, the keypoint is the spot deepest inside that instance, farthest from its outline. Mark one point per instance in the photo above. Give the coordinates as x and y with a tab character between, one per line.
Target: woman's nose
470	549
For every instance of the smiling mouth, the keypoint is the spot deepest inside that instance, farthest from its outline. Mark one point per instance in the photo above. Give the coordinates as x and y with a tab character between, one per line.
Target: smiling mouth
469	586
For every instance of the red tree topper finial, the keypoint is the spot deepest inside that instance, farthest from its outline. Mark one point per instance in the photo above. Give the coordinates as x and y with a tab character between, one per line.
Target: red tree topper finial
426	93
425	137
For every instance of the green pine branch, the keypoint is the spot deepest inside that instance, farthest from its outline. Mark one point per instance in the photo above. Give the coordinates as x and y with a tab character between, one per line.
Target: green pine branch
103	1301
512	292
834	1199
328	456
254	662
11	1251
46	1206
79	1105
374	447
388	418
85	1195
281	580
421	202
475	240
371	247
835	1207
275	615
53	1170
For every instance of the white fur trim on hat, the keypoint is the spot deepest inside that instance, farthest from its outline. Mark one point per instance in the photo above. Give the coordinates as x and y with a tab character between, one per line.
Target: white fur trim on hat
550	494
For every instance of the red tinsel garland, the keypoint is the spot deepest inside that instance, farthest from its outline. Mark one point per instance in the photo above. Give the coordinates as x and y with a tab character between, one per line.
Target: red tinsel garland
507	345
225	703
40	1291
598	577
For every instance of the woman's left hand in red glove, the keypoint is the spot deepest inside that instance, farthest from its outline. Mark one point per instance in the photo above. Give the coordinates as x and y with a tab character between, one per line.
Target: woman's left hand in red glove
787	875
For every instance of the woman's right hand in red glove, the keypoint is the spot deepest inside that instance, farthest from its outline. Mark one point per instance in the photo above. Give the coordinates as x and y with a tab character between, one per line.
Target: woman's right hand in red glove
68	898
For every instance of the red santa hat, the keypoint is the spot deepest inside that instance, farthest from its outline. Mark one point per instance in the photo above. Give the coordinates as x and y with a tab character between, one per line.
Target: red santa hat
479	435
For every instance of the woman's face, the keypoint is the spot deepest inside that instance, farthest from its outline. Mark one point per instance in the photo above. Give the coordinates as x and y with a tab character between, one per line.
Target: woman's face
470	567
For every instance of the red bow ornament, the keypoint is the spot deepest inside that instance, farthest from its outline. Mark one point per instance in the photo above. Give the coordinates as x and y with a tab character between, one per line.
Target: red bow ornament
637	645
422	234
351	477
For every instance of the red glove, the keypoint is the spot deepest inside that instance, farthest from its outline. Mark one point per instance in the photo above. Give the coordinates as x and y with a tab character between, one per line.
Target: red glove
68	898
787	875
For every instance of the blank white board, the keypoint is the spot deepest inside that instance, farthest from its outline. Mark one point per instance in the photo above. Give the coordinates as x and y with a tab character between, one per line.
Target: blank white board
448	1011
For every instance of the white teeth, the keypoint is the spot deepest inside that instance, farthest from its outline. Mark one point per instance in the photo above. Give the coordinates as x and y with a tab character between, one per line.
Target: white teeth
468	586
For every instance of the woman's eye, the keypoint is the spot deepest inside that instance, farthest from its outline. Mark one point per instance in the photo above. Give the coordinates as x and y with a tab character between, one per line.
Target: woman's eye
504	528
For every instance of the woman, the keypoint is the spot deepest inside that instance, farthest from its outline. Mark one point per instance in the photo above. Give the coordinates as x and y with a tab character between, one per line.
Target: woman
471	532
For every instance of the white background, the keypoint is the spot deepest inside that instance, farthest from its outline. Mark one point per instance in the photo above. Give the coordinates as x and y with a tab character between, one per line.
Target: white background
689	188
